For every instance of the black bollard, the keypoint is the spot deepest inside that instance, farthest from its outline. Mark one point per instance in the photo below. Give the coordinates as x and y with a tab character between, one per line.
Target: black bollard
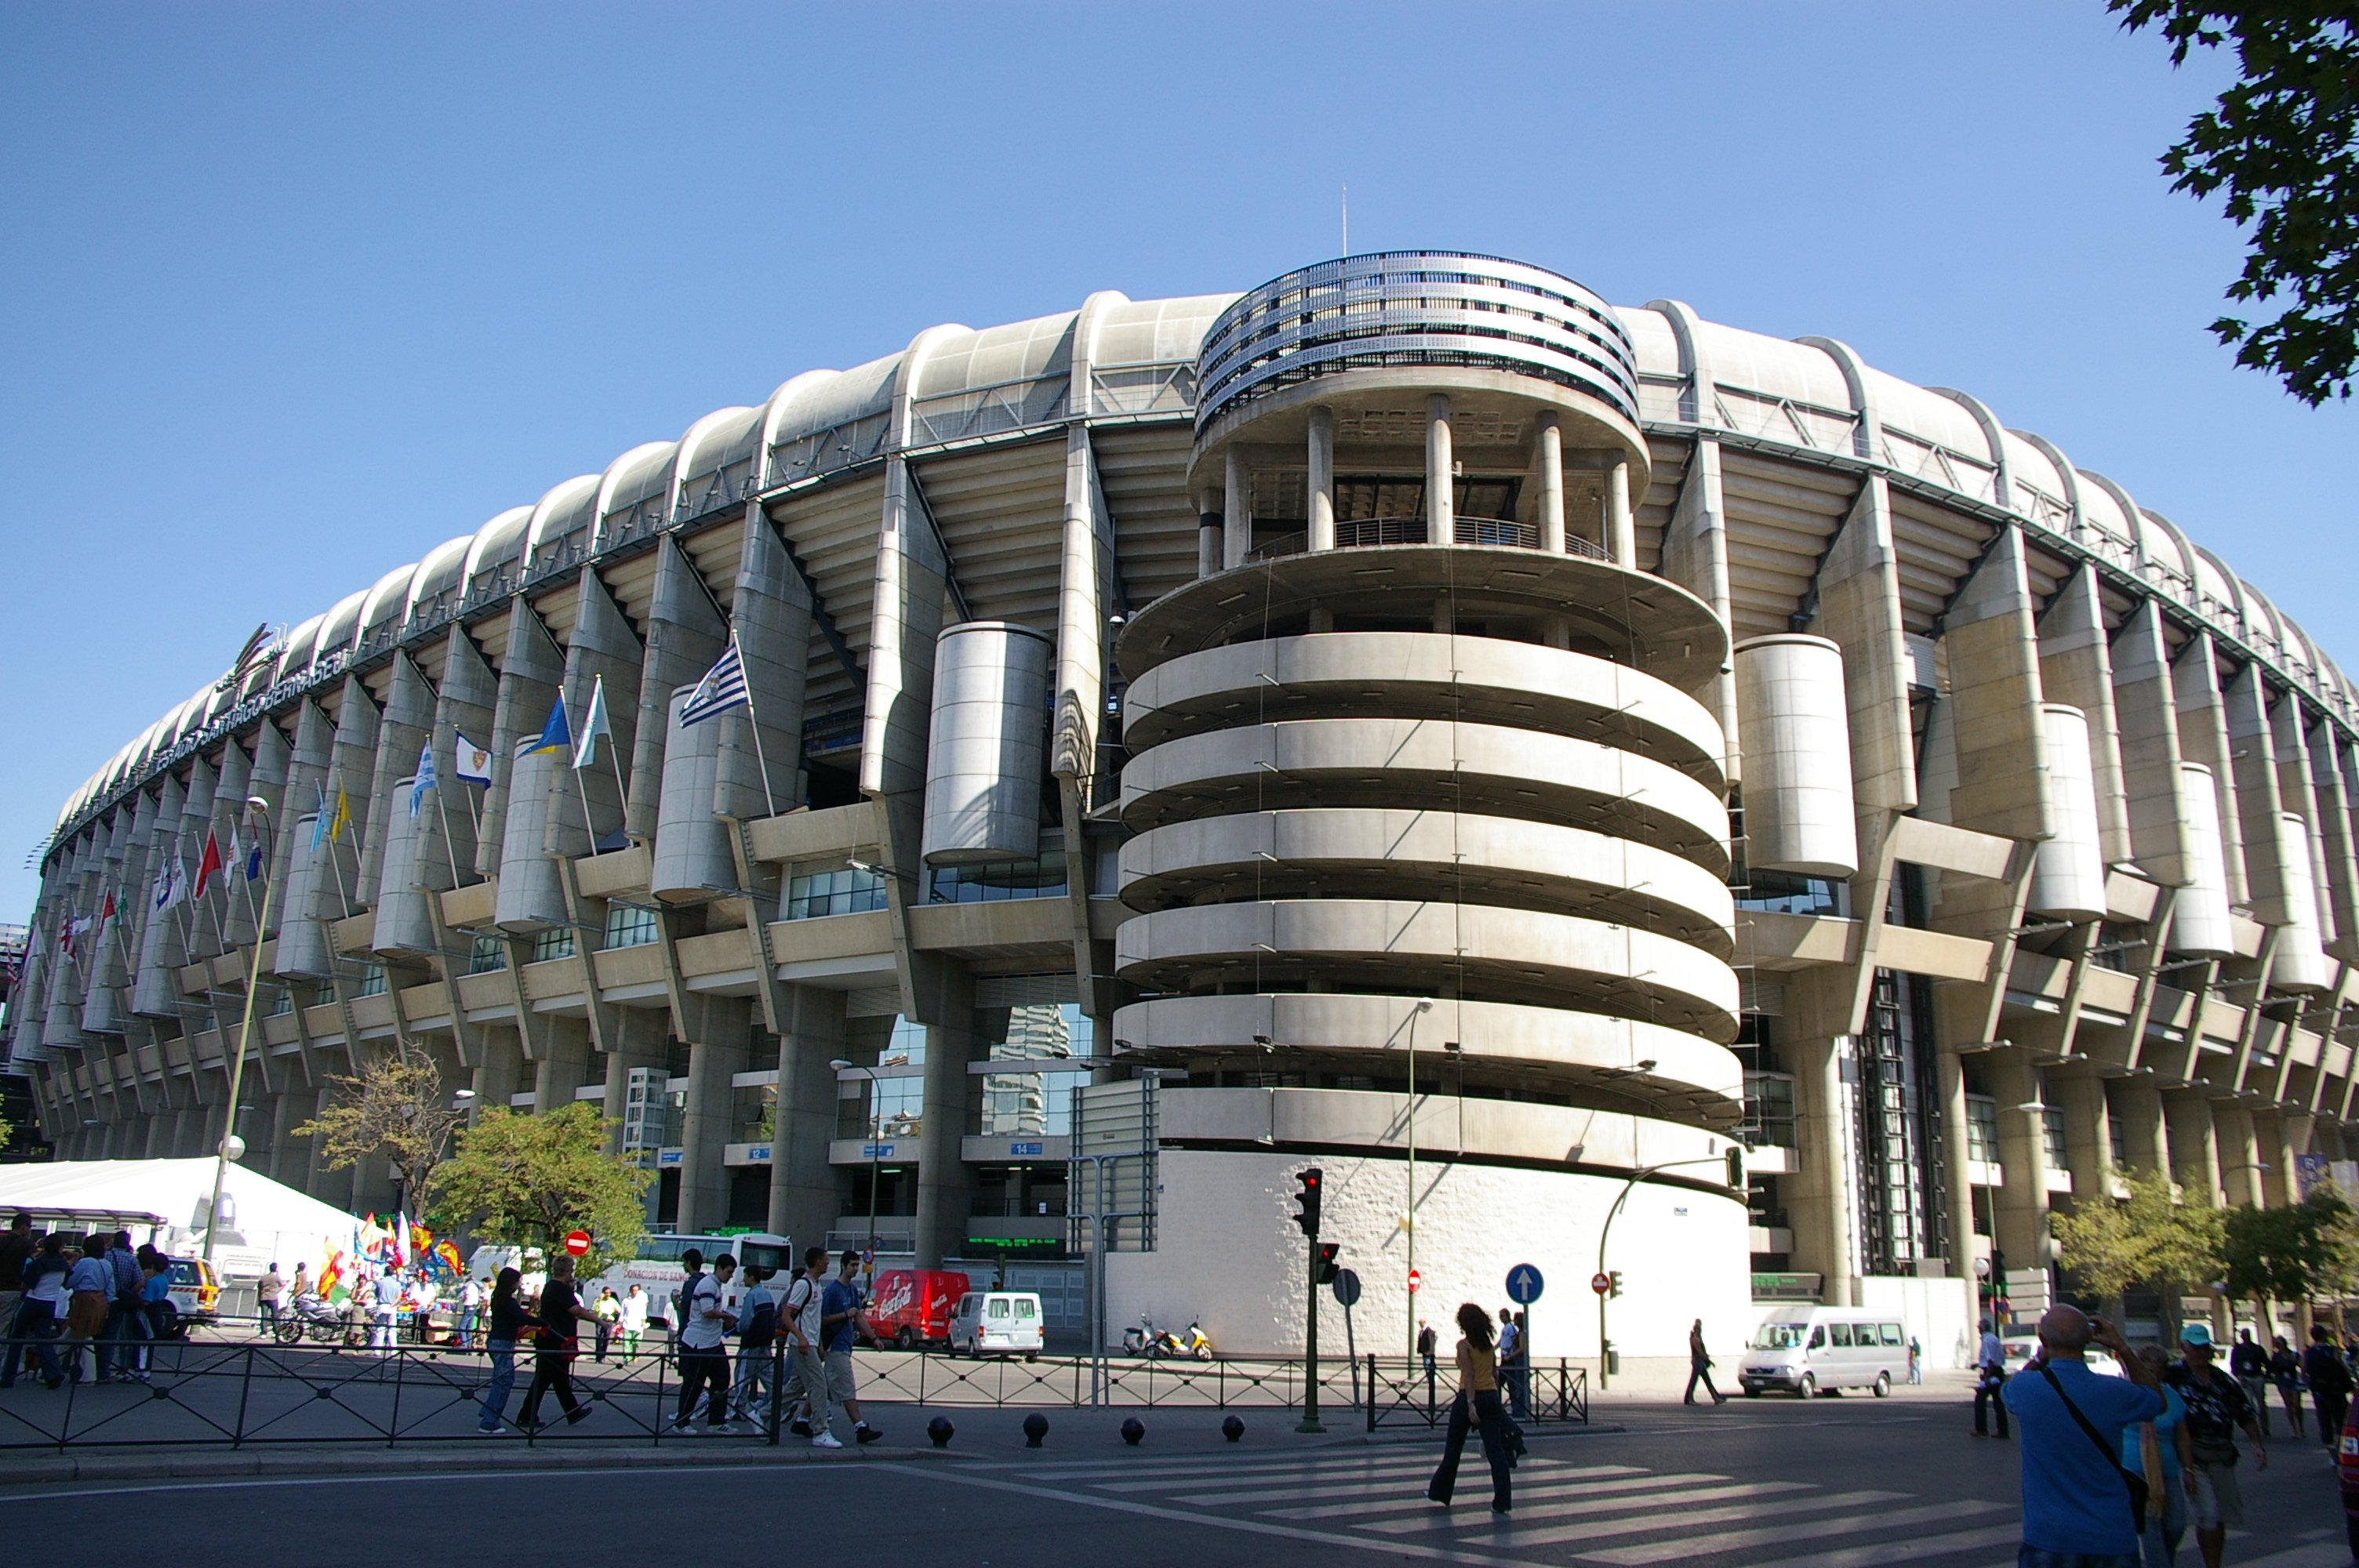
941	1430
1036	1427
1233	1429
1132	1430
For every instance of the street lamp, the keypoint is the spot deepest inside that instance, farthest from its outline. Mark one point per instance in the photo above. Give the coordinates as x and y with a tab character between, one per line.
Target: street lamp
231	1146
1603	1344
876	1149
1408	1220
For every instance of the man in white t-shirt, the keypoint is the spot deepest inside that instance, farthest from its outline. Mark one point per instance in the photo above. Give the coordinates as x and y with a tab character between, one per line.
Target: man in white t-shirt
799	1319
703	1325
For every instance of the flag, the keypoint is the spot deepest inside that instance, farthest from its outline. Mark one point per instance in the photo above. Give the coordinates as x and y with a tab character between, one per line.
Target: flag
553	736
593	726
170	883
469	764
319	821
66	933
106	911
254	859
426	779
209	864
400	1239
343	816
235	854
722	688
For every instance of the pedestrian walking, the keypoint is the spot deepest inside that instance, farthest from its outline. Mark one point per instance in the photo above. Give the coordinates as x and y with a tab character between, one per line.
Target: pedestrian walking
385	1314
1990	1382
634	1320
1476	1407
89	1286
509	1322
2248	1363
1511	1364
608	1313
43	1308
703	1360
1425	1344
1916	1362
471	1312
2216	1406
2080	1508
267	1297
2329	1376
2160	1452
800	1315
556	1342
2284	1375
838	1324
155	1305
757	1331
1699	1368
16	1251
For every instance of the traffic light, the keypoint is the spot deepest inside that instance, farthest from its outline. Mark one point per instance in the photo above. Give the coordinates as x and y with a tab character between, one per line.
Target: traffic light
1324	1270
1735	1168
1613	1283
1308	1198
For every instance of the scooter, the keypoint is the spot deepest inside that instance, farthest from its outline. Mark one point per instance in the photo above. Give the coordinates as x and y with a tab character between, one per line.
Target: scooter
1140	1339
1194	1344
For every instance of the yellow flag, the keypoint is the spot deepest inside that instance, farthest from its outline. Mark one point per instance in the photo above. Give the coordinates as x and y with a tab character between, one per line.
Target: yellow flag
343	816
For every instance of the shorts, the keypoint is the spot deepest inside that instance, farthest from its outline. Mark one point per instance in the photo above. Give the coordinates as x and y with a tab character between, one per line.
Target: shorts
840	1389
2218	1499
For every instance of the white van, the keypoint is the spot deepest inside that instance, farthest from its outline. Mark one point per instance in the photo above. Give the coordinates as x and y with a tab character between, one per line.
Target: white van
1807	1350
997	1323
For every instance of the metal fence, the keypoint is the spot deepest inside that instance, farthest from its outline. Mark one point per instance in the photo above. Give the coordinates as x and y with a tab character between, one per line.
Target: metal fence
1402	1392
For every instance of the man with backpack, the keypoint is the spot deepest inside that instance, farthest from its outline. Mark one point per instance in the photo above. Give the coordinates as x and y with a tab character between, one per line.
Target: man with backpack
702	1326
757	1331
807	1376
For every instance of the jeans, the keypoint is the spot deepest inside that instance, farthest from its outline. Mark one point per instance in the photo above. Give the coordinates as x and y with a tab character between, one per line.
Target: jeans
2159	1543
2332	1408
753	1381
1486	1417
126	1326
606	1332
1988	1392
266	1316
37	1321
700	1369
495	1398
381	1330
2256	1390
1699	1370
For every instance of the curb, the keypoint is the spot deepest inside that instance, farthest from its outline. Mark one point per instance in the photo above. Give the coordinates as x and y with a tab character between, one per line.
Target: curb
424	1458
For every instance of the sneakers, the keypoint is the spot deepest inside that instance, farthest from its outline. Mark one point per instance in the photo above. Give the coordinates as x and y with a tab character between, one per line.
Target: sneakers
864	1433
721	1429
799	1428
827	1440
491	1431
580	1413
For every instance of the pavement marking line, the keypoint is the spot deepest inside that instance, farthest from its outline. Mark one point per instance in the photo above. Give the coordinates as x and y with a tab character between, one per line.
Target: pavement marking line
1770	1535
1380	1482
1545	1490
2317	1554
1919	1546
1442	1519
1260	1475
1181	1516
251	1483
1790	1504
1222	1459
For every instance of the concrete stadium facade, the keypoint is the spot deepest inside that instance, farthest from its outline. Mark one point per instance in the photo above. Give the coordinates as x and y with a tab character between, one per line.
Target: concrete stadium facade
1501	748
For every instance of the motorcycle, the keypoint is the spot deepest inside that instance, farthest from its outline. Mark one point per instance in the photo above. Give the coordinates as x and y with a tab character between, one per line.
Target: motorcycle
310	1314
1140	1339
1192	1346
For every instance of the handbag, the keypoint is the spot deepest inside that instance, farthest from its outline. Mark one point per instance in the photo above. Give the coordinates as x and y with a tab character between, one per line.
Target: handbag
2136	1483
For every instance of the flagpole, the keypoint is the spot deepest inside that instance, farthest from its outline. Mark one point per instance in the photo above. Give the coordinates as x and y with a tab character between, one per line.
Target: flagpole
754	720
449	853
245	1043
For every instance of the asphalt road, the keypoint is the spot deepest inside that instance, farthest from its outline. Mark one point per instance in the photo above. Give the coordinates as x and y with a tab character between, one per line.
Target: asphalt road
1848	1484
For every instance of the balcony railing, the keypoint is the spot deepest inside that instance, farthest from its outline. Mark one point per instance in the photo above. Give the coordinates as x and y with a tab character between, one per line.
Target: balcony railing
1495	533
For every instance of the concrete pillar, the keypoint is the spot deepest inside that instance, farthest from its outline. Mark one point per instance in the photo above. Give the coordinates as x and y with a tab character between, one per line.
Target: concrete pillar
805	1194
2194	1141
501	1075
2080	1094
2076	668
2143	1138
563	1064
1320	492
2022	1217
1821	1188
1549	463
1209	527
1237	511
1441	474
2148	738
290	1157
944	1189
2241	1158
2204	737
1956	1178
1621	532
712	1062
2284	1136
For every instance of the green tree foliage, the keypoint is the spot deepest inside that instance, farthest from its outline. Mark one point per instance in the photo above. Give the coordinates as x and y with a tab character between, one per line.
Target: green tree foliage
396	1106
530	1179
2282	146
2151	1239
2294	1252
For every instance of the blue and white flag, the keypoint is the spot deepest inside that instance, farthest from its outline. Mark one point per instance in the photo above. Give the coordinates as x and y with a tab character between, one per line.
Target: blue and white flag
594	726
470	763
426	779
722	688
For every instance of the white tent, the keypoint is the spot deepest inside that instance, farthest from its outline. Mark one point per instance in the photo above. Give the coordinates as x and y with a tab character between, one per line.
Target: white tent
263	1221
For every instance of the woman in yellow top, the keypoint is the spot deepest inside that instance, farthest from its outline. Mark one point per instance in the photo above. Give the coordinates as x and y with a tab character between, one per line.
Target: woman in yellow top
1477	1405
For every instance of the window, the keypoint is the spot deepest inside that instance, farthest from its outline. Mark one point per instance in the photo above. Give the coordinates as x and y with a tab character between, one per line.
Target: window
2118	1138
1839	1333
1890	1331
372	980
754	1114
890	1041
489	957
628	926
882	1110
557	943
816	895
2051	1131
1034	1032
1769	1110
1982	1128
997	1308
1000	881
1819	1336
1026	1105
282	1002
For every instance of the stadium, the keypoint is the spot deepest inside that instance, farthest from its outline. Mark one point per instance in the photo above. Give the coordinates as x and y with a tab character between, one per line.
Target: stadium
1549	766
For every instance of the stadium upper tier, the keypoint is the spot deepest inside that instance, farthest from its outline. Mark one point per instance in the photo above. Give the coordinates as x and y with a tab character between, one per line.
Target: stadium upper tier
1813	413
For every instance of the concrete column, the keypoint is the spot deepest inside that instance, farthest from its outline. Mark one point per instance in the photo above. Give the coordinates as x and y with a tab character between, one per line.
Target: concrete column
1956	1168
2241	1156
1237	511
502	1073
2284	1135
2080	1094
944	1190
1209	524
563	1065
1549	463
2022	1217
1821	1188
1441	474
1320	493
1621	532
2195	1140
724	1051
2075	667
639	1040
2143	1138
805	1194
2148	738
290	1157
2204	737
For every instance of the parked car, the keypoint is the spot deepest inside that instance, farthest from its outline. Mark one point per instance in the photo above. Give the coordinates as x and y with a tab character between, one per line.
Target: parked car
195	1292
1807	1350
997	1323
910	1307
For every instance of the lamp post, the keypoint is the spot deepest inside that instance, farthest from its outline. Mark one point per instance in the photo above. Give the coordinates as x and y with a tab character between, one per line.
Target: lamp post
260	808
876	1149
1603	1344
1409	1218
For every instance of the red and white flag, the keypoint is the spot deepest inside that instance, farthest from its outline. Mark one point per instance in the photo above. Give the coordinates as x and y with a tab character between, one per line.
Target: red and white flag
209	865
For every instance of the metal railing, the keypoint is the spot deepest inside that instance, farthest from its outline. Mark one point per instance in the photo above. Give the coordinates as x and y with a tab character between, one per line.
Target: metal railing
1364	532
1402	1392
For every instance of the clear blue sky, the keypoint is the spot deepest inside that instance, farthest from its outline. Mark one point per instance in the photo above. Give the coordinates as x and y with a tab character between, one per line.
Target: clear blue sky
291	294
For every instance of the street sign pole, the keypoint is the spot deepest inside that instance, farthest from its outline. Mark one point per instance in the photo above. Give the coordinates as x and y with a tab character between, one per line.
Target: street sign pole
1347	1291
1310	1422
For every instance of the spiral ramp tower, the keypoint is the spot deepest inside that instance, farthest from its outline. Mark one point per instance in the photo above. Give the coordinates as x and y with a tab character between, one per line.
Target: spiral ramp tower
1427	874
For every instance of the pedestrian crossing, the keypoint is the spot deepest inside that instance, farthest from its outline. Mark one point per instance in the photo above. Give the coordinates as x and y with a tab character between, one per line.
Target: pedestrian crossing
1605	1515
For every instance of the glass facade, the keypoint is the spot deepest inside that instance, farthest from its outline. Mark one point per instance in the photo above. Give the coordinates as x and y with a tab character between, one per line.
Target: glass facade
557	943
1000	881
630	926
814	894
489	956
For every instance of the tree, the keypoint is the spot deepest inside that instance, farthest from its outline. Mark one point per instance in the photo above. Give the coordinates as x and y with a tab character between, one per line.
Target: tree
2283	144
2295	1252
2153	1237
396	1105
532	1178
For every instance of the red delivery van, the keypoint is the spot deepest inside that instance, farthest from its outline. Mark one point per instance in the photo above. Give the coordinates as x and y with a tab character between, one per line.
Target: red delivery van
913	1306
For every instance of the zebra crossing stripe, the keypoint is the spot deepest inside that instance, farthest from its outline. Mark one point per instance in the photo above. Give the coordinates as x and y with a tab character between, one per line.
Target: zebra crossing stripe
1549	1489
1589	1531
1766	1535
1393	1484
1883	1552
1579	1508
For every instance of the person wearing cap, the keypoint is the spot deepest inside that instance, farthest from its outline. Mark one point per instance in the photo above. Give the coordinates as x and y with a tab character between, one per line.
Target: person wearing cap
2216	1406
2077	1508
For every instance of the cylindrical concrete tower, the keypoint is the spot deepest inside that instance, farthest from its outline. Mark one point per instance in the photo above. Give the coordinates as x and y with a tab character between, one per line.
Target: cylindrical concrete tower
2068	870
2198	919
1424	806
692	857
986	743
1798	799
2300	964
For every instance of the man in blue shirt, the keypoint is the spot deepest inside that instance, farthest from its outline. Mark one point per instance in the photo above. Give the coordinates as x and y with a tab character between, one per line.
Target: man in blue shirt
838	1327
2076	1500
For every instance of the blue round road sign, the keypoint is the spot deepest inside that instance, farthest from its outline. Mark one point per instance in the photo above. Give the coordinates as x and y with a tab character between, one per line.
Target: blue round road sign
1523	1284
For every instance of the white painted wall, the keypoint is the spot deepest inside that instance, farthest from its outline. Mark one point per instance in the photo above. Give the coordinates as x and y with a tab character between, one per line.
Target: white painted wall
1231	1257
